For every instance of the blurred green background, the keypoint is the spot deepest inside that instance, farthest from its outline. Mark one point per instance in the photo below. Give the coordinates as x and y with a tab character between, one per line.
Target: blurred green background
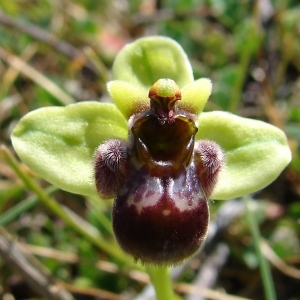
59	52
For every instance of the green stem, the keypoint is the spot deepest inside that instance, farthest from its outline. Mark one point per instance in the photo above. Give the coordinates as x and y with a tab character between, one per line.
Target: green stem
263	263
161	280
240	79
21	207
247	51
75	222
99	213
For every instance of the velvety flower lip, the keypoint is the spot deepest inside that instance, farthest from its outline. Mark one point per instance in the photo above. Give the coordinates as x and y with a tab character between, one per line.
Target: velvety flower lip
161	180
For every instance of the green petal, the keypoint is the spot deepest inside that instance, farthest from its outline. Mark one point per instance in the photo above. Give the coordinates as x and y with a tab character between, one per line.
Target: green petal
146	60
58	142
128	98
256	152
195	95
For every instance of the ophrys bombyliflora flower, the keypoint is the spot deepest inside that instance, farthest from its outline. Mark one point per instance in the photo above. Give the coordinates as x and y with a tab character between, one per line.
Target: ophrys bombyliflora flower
161	180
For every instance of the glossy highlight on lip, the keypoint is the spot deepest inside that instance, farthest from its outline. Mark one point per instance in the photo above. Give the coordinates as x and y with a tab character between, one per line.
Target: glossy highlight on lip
160	179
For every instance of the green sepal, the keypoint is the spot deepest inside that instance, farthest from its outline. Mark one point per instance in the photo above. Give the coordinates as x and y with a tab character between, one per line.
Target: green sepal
255	152
146	60
58	142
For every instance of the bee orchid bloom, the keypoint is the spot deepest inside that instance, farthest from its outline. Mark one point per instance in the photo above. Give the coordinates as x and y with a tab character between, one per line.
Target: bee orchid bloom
161	180
154	151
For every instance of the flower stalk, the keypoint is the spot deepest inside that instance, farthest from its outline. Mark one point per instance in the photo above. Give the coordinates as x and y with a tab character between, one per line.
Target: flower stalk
264	266
161	280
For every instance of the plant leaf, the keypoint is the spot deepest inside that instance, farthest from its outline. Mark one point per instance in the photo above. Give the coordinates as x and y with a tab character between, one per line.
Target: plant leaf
146	60
256	152
58	142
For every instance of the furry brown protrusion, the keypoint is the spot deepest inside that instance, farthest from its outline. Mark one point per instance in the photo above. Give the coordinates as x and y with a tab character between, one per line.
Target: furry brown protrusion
209	159
110	161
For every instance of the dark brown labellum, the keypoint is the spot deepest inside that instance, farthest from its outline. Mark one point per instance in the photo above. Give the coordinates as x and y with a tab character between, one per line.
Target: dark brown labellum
161	220
161	182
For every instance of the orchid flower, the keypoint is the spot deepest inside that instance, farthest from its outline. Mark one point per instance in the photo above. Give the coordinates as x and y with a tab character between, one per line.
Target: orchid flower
154	151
